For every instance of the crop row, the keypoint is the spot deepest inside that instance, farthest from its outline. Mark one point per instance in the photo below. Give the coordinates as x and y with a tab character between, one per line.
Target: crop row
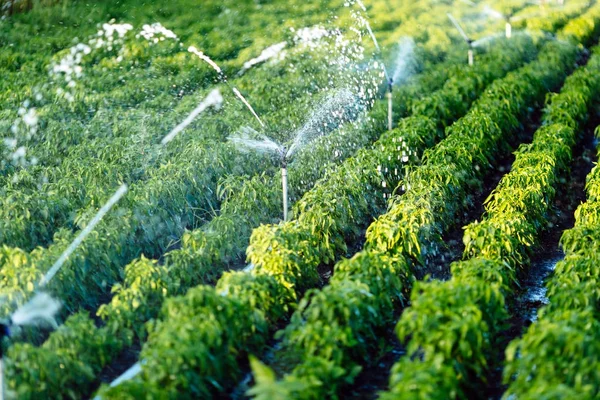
557	357
336	329
339	204
583	29
205	252
452	327
547	19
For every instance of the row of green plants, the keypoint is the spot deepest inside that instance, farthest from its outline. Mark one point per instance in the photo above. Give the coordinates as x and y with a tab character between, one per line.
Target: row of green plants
557	357
548	18
338	329
357	175
583	29
452	328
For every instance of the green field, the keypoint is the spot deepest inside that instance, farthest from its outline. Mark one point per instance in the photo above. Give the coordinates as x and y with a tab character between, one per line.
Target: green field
299	200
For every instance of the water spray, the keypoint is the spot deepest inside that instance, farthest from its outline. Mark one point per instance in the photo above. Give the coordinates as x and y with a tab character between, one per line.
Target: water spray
41	308
129	374
39	311
389	80
243	99
214	99
468	40
83	234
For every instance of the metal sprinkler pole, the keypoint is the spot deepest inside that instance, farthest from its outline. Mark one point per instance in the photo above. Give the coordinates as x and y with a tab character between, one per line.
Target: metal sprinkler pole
284	184
467	39
389	97
508	30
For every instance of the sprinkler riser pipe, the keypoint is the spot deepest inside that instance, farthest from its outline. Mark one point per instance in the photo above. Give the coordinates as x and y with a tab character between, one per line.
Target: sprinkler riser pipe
508	30
285	192
390	119
471	57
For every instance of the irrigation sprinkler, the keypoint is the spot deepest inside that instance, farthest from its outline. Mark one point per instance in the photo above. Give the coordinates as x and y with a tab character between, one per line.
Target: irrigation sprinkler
303	136
266	143
467	39
389	80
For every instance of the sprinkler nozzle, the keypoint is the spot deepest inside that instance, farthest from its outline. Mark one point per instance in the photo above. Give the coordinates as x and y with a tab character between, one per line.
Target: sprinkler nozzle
390	85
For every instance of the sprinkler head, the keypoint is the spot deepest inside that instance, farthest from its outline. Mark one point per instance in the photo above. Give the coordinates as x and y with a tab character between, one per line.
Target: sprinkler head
390	84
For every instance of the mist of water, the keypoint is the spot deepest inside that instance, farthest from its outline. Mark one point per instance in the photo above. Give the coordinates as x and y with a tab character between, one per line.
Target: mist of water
243	99
205	58
333	110
214	99
266	54
490	12
404	64
83	234
263	145
40	311
458	28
